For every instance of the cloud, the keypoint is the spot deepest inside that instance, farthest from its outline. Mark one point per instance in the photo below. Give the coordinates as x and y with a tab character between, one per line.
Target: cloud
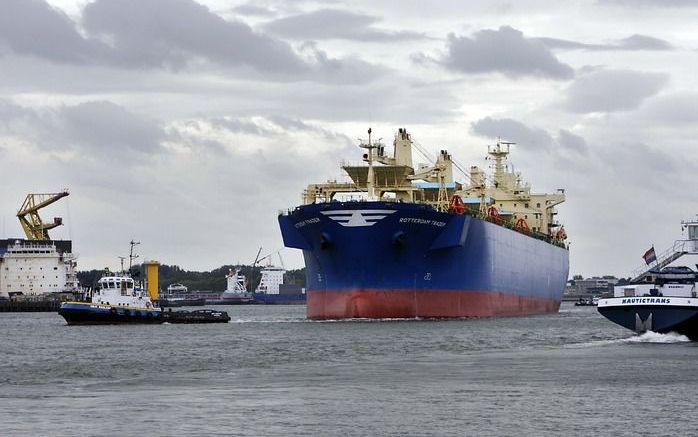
254	10
336	24
33	27
106	125
90	129
529	137
169	33
631	43
175	35
512	130
651	3
570	141
673	109
612	90
505	51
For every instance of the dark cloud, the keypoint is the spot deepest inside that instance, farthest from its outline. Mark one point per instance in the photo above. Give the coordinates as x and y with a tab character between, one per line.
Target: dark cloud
336	24
529	137
33	27
512	130
568	140
505	51
169	33
633	42
97	128
95	125
612	90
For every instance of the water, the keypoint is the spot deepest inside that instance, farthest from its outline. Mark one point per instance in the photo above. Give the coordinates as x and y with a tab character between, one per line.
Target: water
272	373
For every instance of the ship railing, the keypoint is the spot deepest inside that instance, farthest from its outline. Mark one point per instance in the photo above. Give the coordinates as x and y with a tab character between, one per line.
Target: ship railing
676	251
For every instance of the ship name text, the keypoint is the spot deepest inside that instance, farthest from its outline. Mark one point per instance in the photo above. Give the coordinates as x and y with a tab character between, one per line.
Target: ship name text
307	222
420	221
632	300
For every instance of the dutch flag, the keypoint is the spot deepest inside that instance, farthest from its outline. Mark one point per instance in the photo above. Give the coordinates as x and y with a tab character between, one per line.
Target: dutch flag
650	256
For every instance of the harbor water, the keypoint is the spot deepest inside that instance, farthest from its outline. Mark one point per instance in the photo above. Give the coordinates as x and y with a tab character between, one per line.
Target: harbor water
270	372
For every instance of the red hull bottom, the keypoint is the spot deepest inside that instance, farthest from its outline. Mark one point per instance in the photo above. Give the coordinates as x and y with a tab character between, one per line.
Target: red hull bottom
404	304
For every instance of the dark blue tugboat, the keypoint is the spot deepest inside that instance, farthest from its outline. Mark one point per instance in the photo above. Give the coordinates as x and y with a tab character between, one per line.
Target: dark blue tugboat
662	299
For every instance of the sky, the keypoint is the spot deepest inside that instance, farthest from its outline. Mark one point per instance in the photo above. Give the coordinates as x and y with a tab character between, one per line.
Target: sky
188	125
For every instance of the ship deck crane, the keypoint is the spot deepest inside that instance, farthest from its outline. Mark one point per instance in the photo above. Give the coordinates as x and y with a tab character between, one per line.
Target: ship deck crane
28	215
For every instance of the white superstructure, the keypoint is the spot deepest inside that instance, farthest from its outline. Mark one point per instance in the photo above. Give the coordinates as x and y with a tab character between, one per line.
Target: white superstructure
119	290
237	283
177	289
272	278
34	268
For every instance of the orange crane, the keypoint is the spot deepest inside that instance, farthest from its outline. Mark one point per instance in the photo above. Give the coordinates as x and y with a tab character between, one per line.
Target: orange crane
28	215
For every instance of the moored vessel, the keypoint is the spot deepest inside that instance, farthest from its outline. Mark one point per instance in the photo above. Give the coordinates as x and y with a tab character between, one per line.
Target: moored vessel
272	288
405	241
178	295
661	298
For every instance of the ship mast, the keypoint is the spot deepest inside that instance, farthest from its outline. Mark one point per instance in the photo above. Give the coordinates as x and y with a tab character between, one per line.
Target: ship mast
131	256
368	157
499	155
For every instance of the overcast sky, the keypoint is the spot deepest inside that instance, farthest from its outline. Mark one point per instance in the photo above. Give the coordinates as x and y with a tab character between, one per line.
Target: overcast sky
188	125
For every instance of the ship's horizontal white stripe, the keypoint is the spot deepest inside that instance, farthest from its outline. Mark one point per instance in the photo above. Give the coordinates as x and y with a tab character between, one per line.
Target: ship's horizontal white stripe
358	217
647	301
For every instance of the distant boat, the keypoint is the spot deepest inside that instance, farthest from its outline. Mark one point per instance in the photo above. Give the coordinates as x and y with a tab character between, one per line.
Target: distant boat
273	290
178	296
587	302
236	292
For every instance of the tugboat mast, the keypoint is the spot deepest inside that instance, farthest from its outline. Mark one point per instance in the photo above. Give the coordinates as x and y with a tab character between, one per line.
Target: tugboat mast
131	256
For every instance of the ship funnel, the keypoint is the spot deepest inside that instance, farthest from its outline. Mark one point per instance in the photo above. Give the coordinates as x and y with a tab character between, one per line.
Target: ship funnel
152	275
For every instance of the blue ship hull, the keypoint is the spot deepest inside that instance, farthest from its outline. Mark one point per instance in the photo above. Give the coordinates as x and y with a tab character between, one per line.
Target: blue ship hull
279	299
657	314
82	313
403	260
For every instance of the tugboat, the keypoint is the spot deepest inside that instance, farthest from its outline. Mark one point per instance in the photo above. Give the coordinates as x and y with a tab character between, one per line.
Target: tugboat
115	301
661	298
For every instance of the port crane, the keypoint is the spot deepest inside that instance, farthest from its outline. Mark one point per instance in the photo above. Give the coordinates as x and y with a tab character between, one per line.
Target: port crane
28	215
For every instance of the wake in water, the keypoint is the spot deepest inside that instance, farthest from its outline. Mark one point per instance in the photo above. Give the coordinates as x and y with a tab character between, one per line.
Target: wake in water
655	337
647	337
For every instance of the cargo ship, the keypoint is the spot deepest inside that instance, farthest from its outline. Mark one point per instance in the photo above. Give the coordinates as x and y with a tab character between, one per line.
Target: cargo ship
272	289
661	297
405	241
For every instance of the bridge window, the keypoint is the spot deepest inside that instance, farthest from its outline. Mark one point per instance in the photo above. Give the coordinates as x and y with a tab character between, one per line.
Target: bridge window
693	232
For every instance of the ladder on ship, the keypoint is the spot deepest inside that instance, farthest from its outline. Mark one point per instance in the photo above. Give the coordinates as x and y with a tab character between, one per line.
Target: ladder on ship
679	249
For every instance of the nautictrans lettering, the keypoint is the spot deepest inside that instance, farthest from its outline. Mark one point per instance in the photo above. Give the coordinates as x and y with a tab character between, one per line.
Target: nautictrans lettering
420	221
646	300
